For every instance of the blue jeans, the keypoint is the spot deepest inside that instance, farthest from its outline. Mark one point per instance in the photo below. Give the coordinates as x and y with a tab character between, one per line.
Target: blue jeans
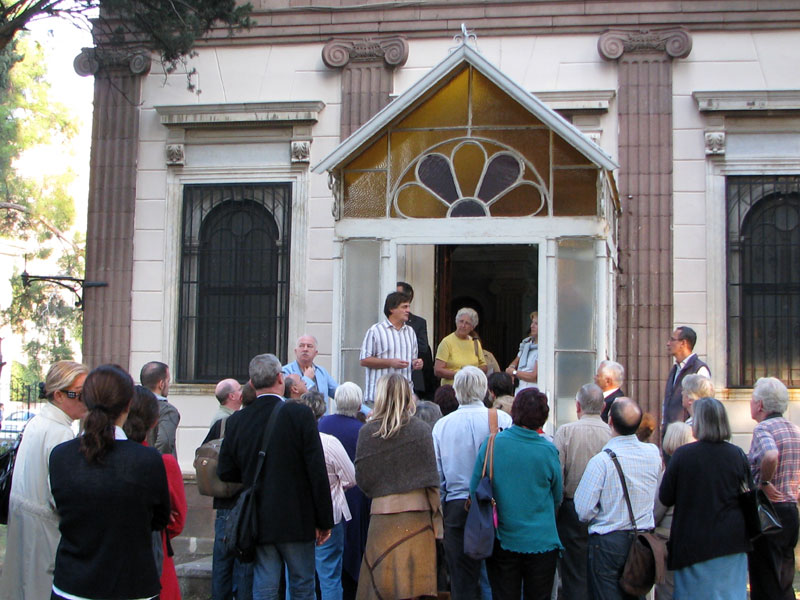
299	559
329	564
605	561
229	577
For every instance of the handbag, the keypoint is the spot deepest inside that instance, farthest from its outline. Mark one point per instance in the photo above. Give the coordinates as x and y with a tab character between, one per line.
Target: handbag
646	563
759	515
241	528
6	474
206	459
479	529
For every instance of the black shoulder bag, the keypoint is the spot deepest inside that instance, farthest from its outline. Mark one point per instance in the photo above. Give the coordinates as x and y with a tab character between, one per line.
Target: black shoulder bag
241	529
647	558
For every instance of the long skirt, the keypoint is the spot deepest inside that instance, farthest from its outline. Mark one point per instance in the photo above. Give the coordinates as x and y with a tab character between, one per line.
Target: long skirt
723	578
400	558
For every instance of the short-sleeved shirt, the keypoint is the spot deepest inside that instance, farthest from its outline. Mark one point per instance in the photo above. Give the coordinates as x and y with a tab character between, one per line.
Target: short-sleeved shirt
457	353
777	433
384	340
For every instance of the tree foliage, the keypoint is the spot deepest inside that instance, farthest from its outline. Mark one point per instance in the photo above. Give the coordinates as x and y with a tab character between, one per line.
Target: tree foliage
37	213
167	27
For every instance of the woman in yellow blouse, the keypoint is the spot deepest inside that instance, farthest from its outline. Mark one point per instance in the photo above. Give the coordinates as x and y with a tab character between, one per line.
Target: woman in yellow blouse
460	348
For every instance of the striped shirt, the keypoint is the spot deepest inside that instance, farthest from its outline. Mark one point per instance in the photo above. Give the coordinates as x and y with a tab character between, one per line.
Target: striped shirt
384	340
777	433
599	499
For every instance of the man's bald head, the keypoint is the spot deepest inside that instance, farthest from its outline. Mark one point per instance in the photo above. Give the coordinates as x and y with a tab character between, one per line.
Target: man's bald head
228	393
294	386
625	416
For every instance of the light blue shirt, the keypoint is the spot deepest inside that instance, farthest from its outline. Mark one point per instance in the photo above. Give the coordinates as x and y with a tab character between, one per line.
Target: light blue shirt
456	440
325	384
599	499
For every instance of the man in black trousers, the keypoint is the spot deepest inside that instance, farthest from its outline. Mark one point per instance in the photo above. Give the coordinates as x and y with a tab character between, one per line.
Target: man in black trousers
293	496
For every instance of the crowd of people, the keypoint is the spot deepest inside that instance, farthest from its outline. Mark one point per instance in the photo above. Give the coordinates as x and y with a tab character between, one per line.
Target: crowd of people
365	492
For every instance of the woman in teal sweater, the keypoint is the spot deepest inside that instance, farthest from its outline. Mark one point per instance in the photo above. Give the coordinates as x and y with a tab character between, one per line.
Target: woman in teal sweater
527	488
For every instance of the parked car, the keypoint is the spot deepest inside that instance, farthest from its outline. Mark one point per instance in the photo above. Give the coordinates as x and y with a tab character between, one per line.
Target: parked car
16	421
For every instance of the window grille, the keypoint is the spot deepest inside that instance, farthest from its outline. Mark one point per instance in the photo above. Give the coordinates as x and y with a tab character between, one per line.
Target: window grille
763	248
234	296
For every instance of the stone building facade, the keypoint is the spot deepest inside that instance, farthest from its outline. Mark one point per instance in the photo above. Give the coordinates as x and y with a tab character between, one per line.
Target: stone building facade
620	167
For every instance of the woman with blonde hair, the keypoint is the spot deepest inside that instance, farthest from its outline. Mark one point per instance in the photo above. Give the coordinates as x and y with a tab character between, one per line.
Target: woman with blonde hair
400	557
33	534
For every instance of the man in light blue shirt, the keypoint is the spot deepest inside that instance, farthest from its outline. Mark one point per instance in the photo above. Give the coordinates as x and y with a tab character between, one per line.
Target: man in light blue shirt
600	500
315	377
456	440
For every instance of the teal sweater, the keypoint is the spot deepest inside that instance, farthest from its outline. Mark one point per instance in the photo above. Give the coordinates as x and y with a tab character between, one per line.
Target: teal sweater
527	488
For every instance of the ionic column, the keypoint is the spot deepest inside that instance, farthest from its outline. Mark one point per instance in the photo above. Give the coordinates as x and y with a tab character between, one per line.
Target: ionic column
644	294
367	66
112	195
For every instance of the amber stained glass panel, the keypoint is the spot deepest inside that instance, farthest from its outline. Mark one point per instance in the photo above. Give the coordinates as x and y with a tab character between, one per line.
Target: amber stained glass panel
492	106
522	200
468	163
532	144
408	145
374	157
566	155
447	107
416	201
364	195
575	192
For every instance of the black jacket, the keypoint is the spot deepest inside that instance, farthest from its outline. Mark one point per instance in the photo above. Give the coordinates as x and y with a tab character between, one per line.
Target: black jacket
294	496
609	401
107	515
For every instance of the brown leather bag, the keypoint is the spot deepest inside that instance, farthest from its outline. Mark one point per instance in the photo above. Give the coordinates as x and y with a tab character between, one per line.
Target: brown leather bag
646	564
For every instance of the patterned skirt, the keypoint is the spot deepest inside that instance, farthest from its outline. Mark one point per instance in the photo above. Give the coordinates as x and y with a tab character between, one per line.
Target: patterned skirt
400	558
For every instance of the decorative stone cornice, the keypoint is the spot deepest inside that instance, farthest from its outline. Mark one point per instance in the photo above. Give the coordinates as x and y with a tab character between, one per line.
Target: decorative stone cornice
338	52
92	60
747	100
715	143
301	151
264	113
176	154
676	42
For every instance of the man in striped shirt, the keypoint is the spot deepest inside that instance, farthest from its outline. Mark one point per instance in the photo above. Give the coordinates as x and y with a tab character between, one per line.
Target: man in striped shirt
390	346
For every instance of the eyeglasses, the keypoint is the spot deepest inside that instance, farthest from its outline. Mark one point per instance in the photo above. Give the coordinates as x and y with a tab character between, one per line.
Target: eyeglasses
72	394
672	339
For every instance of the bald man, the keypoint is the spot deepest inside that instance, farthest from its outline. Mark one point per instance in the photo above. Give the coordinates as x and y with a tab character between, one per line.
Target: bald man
294	386
600	501
229	395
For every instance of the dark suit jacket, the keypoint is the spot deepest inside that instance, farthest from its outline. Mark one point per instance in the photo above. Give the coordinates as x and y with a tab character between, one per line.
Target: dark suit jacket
107	514
609	401
422	379
673	393
294	496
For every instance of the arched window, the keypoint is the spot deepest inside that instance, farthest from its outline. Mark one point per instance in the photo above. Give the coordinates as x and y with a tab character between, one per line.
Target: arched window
234	279
763	279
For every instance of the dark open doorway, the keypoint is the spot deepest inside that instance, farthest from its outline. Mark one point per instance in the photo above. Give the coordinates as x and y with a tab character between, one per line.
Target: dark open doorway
501	282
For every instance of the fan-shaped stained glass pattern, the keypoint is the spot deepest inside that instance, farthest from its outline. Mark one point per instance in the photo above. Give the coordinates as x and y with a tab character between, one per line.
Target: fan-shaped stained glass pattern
477	178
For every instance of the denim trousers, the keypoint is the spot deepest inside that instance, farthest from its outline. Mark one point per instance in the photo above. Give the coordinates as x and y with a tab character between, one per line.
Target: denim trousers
606	558
299	560
229	577
329	564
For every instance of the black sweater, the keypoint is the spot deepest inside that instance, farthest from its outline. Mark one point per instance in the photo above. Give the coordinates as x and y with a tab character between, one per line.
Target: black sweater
702	480
294	496
107	513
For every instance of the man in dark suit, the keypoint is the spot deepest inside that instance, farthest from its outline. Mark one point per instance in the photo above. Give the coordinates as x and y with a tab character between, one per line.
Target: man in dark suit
681	347
294	509
423	380
609	377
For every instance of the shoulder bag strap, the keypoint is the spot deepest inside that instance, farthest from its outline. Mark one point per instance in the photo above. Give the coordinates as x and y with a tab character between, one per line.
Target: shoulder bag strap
267	434
624	486
475	342
489	457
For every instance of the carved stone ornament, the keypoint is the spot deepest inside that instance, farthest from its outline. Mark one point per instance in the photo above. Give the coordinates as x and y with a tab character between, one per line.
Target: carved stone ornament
91	60
677	43
301	152
176	154
338	52
715	142
334	185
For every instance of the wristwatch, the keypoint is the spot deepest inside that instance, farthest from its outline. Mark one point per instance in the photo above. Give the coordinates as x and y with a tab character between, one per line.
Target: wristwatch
765	483
515	372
